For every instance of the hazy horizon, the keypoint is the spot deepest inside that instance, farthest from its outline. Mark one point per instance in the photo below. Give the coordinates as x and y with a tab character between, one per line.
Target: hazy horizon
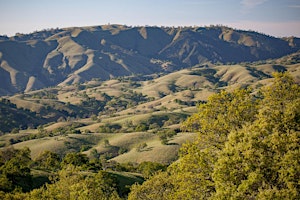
279	18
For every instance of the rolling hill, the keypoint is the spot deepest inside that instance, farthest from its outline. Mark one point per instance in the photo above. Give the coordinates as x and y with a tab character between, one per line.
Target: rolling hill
141	94
126	111
130	86
115	96
60	57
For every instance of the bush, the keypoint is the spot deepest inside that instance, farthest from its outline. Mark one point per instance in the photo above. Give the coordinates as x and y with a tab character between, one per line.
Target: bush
141	127
165	135
141	147
150	168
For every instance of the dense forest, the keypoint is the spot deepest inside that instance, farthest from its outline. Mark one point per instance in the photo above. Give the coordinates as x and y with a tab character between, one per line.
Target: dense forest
247	147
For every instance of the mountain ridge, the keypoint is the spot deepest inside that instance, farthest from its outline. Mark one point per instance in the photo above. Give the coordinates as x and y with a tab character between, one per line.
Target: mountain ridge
74	55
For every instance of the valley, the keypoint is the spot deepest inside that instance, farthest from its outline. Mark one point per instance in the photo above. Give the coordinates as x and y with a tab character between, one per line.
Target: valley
132	105
128	110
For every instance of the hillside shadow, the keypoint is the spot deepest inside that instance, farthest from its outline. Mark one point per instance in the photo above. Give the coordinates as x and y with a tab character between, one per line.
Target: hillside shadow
279	68
172	143
147	149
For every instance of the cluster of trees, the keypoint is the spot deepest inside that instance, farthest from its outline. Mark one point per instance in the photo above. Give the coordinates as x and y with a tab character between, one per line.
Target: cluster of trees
12	117
209	74
73	176
16	165
155	122
70	183
165	135
126	100
44	95
110	104
247	148
15	169
187	103
71	129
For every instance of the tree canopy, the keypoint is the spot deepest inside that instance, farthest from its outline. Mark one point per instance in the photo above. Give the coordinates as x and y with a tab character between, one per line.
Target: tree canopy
247	148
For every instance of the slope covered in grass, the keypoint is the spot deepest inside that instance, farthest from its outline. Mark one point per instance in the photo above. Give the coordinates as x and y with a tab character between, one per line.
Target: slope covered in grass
75	55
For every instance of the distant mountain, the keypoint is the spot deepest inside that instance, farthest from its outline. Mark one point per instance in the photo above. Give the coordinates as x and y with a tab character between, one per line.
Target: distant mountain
73	55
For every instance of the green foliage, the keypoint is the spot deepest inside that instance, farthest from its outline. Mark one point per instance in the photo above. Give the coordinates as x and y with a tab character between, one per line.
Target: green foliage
210	75
124	101
13	119
141	127
42	132
15	130
71	184
109	128
166	135
124	181
45	94
247	148
148	169
71	129
92	105
158	121
15	169
106	143
122	150
141	147
48	160
128	167
223	113
188	103
85	147
263	159
158	187
79	178
75	159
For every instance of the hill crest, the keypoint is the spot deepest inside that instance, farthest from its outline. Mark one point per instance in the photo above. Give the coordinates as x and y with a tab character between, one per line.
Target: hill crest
75	55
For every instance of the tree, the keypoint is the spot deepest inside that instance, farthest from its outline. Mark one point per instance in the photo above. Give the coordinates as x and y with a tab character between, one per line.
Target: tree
223	113
148	169
262	160
247	148
280	100
15	169
141	146
15	130
106	143
71	184
193	172
165	135
48	160
75	159
141	127
158	187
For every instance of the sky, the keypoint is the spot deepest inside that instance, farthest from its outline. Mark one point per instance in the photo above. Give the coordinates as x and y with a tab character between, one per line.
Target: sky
279	18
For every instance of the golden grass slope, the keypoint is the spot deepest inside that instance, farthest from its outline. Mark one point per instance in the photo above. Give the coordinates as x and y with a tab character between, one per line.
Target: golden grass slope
155	151
164	91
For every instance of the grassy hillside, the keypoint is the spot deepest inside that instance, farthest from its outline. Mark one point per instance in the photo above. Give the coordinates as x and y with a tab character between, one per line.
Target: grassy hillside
13	119
80	54
127	112
112	99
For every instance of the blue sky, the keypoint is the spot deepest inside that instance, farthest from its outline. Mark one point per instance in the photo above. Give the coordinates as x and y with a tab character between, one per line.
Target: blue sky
274	17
